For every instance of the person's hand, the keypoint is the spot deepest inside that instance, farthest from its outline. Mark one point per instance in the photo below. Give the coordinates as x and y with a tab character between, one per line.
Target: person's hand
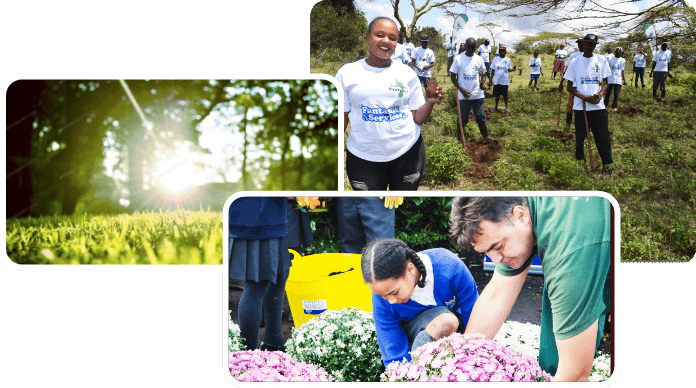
650	74
465	93
560	87
482	85
392	202
624	82
593	99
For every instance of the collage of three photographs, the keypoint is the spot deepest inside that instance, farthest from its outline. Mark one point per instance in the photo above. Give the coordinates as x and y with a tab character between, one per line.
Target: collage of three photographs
503	267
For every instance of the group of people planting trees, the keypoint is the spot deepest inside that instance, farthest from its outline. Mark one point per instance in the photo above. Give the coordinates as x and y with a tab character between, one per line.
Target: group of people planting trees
385	104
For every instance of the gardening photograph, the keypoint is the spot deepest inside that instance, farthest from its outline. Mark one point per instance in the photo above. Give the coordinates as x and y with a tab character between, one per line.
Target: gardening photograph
520	95
358	288
138	171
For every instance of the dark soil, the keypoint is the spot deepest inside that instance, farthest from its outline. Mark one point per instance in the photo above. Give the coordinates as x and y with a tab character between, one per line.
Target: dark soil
629	111
680	102
550	91
487	111
482	152
564	137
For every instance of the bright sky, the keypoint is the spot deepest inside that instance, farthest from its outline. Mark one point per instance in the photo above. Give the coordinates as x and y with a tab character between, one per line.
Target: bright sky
518	27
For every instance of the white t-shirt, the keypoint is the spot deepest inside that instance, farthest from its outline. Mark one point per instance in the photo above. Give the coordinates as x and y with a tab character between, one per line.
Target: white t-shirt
607	56
423	58
639	60
400	54
484	51
451	50
586	74
468	70
501	66
572	57
379	102
535	65
661	59
617	65
561	53
410	48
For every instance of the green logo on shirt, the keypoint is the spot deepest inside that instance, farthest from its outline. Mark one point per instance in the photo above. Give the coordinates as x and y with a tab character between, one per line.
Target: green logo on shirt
596	67
401	88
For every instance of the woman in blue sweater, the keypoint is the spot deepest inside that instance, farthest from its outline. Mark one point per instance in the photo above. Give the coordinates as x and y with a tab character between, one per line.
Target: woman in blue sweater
416	297
259	256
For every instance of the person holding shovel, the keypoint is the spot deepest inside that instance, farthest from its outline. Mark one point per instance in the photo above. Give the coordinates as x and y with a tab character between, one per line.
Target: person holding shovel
617	77
639	67
573	238
534	70
385	105
660	67
500	69
468	74
585	75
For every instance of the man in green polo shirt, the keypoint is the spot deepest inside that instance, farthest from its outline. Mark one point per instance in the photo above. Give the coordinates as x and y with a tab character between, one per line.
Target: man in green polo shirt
572	236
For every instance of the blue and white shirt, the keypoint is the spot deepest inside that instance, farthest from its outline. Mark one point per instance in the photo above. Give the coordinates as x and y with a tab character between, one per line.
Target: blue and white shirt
661	59
379	102
448	282
639	60
587	74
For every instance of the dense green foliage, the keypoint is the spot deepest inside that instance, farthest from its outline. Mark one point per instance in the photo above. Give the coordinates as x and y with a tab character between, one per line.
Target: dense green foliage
337	32
178	237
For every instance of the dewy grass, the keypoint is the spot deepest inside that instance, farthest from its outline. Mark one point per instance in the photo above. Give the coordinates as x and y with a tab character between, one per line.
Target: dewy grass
171	237
653	151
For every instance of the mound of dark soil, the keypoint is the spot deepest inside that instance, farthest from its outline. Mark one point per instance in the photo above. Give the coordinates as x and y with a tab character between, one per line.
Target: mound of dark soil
629	111
564	137
484	150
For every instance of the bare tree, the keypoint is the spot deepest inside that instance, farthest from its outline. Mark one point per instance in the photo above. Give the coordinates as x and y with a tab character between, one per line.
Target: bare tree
447	6
610	19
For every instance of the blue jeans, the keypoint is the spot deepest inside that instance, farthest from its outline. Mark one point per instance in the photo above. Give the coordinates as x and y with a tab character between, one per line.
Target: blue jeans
639	72
362	219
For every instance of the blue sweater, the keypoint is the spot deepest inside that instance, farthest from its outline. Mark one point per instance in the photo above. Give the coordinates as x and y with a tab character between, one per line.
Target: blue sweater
448	283
258	218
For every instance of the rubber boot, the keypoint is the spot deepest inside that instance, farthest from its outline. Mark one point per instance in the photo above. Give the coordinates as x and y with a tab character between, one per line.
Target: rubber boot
484	131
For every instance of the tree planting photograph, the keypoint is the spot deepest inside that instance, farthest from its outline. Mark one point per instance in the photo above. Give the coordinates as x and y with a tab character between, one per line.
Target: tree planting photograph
550	95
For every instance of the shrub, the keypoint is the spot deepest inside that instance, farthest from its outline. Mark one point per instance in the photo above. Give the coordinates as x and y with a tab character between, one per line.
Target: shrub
546	143
258	365
342	341
236	342
446	160
466	357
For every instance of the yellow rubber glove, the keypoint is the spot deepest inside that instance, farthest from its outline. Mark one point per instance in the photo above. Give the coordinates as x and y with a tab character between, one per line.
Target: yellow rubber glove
308	202
392	202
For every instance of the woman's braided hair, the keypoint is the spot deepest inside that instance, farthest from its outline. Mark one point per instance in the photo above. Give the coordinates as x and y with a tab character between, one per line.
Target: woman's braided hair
387	258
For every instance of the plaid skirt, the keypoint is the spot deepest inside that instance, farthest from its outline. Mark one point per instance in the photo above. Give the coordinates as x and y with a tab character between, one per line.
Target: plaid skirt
559	66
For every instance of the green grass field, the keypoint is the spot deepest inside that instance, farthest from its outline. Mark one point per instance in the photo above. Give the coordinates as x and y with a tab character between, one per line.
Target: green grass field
172	237
654	153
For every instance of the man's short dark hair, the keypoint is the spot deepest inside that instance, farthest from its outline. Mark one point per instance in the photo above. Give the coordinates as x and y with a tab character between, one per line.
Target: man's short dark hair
468	212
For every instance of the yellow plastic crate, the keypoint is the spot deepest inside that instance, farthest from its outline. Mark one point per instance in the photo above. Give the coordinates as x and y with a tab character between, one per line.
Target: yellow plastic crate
311	290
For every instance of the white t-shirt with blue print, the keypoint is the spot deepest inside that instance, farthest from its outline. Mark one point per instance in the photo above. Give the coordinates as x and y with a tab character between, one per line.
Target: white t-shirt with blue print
586	74
617	65
468	70
661	59
379	102
501	67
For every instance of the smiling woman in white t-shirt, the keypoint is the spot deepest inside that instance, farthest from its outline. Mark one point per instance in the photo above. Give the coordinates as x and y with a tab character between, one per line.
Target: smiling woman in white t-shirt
385	105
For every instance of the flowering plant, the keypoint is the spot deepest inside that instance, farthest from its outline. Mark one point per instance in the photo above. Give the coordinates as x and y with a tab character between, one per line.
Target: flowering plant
342	341
236	342
258	365
524	337
466	357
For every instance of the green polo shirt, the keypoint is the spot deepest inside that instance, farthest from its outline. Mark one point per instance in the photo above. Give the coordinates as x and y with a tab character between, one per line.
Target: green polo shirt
573	237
